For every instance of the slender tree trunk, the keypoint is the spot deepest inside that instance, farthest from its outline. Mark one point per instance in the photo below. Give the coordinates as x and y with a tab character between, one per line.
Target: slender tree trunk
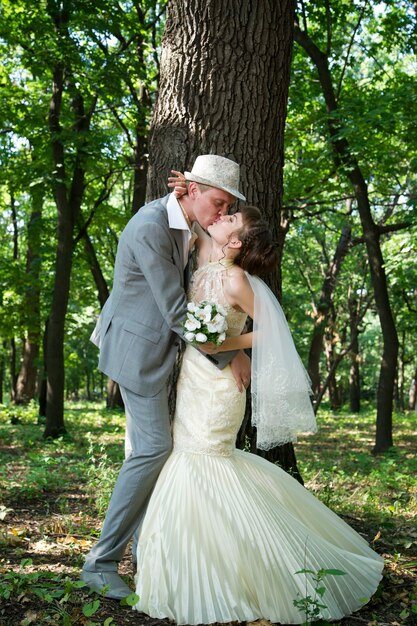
371	233
88	384
140	169
354	374
224	79
68	204
12	345
98	276
43	377
55	345
68	198
412	396
27	378
333	388
400	377
13	370
324	306
114	397
1	374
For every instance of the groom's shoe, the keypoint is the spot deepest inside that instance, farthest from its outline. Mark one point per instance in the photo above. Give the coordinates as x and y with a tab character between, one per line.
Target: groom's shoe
116	588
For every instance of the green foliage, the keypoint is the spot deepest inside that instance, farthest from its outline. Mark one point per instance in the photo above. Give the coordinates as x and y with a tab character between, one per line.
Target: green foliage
62	520
110	58
57	591
311	605
102	476
372	64
338	468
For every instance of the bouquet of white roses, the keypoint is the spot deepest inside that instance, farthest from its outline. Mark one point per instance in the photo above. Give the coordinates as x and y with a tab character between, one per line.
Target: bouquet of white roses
205	321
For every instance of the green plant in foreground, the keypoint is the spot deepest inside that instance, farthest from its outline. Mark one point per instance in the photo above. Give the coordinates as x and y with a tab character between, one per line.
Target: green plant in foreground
57	591
311	605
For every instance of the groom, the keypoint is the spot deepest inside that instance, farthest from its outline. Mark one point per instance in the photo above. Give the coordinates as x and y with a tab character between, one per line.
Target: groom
138	333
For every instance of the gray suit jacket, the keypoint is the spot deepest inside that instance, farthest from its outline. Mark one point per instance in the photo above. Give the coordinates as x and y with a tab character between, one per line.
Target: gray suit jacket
139	329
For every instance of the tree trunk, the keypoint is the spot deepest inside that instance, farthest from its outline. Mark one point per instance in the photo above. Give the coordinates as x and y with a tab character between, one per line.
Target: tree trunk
371	233
27	378
333	388
324	306
354	375
114	397
412	396
140	169
100	281
223	90
1	373
400	377
13	374
55	345
13	356
68	203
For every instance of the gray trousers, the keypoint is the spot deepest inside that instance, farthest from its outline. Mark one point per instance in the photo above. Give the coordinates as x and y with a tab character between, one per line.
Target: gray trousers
148	445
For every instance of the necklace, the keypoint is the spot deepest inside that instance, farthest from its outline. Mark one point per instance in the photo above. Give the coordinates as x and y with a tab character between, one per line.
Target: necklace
224	261
187	219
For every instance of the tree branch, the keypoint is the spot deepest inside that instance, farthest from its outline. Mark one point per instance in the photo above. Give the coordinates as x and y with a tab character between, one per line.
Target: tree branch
355	30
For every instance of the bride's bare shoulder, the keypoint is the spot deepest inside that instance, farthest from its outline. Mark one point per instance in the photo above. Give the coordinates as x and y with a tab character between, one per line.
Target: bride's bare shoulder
237	280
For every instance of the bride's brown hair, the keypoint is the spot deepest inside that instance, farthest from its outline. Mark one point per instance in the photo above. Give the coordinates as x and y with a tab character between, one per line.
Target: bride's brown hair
258	254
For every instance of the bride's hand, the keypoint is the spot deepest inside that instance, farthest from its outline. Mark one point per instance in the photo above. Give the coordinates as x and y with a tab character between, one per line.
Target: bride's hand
209	348
177	182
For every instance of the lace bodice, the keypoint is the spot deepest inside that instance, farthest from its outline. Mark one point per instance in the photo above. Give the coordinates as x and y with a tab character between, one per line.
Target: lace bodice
208	284
210	407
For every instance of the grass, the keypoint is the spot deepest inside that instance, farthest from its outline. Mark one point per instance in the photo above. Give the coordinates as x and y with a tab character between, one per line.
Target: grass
53	496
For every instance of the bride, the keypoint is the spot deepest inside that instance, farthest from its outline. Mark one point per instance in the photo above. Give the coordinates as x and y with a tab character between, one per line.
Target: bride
226	533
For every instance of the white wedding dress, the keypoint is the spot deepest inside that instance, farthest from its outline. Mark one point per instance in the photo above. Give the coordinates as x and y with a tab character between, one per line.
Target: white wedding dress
226	531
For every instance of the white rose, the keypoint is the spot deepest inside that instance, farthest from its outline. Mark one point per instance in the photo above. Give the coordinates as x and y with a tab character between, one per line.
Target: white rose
201	338
189	336
217	325
192	323
199	314
207	317
221	310
191	307
222	337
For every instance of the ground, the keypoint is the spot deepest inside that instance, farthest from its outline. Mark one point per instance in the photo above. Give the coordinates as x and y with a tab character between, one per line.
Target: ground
53	497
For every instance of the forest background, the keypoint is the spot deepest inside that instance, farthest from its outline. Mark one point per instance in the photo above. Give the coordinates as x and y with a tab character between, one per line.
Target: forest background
80	153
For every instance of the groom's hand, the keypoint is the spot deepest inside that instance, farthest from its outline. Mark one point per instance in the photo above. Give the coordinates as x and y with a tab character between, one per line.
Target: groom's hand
241	369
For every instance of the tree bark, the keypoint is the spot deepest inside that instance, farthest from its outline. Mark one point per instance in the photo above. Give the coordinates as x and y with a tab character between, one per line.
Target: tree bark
55	345
27	378
354	374
343	157
68	203
100	281
400	376
224	77
114	398
324	306
333	388
43	377
1	372
412	396
13	374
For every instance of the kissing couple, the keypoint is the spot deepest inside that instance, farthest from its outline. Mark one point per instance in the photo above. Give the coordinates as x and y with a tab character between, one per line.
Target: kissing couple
221	533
